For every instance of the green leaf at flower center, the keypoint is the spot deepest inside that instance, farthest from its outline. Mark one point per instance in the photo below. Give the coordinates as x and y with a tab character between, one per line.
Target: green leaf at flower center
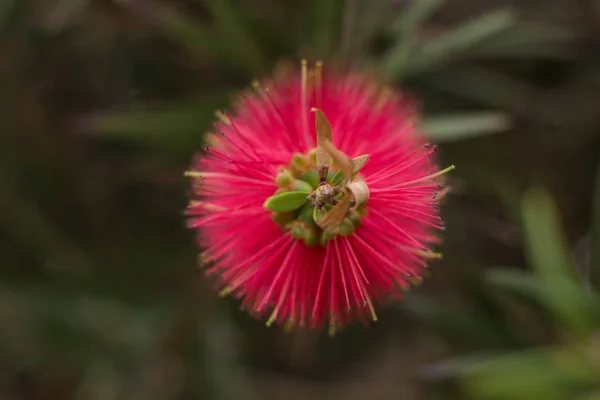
285	202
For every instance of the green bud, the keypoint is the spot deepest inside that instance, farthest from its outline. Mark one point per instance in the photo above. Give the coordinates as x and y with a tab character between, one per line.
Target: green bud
327	236
312	156
299	159
312	178
361	211
285	202
355	219
284	179
346	227
299	164
306	214
311	236
282	218
297	231
302	186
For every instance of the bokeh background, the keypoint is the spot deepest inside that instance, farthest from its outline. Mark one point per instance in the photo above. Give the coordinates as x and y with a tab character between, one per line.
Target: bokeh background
103	104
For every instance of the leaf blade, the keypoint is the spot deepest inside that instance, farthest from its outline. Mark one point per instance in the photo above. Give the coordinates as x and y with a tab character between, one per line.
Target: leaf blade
551	259
286	202
460	40
453	127
595	236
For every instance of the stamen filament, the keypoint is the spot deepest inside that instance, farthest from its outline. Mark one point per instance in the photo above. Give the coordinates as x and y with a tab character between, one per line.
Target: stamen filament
424	253
207	206
318	82
304	105
425	178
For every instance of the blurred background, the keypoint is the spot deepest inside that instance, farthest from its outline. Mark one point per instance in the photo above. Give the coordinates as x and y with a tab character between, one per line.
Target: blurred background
103	104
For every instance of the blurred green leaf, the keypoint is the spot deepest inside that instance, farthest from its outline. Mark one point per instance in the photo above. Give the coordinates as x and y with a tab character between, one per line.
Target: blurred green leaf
174	128
529	40
101	379
62	320
369	25
235	37
459	325
595	237
175	25
460	40
406	30
350	15
486	87
594	395
221	358
416	14
453	127
6	8
534	374
550	256
62	14
326	20
230	42
517	282
457	366
26	223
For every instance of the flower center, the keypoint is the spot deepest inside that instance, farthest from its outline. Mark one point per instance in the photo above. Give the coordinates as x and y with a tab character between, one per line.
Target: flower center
303	197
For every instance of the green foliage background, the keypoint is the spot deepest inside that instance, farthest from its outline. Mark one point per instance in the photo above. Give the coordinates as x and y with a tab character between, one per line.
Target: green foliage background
103	104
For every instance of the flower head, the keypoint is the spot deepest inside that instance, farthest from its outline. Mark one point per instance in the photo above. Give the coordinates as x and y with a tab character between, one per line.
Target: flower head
316	199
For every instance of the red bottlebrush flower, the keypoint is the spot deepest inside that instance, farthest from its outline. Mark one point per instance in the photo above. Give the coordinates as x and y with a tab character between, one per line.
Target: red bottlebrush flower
316	199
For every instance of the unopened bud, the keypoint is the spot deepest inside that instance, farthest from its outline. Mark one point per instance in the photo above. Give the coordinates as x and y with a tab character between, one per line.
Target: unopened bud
297	231
302	186
311	236
346	227
327	236
284	179
312	156
299	159
282	218
299	164
361	211
306	214
311	177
